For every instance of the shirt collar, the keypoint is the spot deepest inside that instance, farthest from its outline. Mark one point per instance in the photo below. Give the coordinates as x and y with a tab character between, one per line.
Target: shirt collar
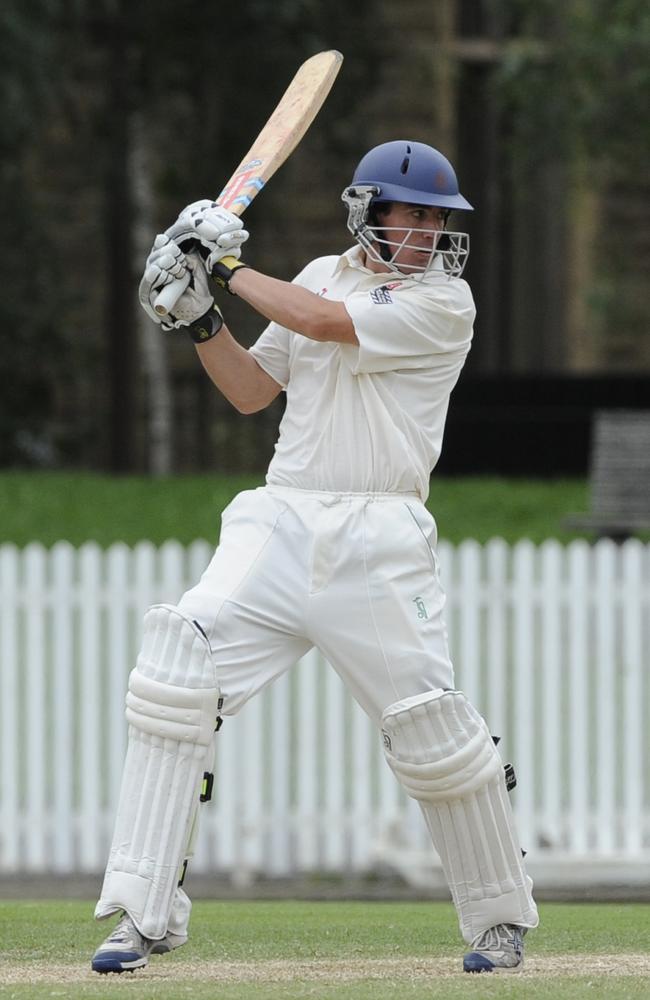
354	258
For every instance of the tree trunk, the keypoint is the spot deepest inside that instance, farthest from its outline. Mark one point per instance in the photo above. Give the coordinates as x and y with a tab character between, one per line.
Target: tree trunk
152	341
117	227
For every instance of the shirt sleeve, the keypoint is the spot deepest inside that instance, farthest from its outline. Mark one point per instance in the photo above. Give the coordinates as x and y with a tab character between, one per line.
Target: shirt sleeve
409	326
271	351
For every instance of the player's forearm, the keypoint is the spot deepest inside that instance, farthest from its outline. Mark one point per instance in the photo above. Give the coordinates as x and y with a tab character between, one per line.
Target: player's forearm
294	307
236	373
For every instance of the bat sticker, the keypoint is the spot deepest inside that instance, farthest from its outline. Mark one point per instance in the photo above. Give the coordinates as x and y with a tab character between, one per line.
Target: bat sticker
234	193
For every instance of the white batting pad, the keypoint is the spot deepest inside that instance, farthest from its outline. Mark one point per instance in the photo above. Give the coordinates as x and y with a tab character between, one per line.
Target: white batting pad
441	750
172	707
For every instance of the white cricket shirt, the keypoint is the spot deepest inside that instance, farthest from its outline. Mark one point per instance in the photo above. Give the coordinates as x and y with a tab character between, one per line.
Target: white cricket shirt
368	418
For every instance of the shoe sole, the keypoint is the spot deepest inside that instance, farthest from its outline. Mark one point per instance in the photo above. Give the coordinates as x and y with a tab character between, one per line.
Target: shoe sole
113	963
508	969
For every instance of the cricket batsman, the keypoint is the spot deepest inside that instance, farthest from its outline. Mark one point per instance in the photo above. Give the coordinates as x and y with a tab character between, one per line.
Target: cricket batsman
337	550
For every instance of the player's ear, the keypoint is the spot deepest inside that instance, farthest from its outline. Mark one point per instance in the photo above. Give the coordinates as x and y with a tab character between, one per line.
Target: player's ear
377	215
379	212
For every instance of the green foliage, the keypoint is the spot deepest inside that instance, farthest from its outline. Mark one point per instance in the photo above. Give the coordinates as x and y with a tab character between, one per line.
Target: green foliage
25	57
578	76
31	353
574	89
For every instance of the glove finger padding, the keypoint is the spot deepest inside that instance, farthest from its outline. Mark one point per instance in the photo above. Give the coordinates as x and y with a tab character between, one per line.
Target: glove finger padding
229	246
165	263
168	258
209	219
220	235
217	231
197	298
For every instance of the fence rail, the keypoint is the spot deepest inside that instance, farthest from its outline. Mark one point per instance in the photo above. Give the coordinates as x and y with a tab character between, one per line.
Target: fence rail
551	643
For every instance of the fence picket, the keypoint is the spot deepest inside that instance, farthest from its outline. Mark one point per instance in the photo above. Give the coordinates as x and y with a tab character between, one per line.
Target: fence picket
248	805
359	791
63	690
10	660
89	705
279	764
34	717
523	682
551	777
606	693
635	722
307	763
496	604
467	657
172	572
334	766
578	827
118	665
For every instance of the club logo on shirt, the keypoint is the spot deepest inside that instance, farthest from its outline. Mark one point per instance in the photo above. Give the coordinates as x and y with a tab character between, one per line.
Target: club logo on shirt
381	296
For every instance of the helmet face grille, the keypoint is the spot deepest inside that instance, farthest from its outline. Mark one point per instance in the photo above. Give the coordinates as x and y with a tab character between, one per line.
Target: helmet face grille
447	257
384	244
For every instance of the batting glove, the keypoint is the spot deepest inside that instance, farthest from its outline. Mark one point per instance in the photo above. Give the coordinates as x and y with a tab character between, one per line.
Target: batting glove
216	232
165	263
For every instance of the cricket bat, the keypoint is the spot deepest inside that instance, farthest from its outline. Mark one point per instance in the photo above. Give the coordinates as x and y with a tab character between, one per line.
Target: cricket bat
283	131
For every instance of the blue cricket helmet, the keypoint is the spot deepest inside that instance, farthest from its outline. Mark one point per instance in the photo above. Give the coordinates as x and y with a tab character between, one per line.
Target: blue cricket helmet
410	172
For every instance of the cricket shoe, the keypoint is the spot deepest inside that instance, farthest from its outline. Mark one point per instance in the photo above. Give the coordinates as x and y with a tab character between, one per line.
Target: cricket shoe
498	949
126	949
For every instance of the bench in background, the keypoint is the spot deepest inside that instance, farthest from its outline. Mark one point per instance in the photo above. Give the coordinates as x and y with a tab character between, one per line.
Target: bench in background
619	475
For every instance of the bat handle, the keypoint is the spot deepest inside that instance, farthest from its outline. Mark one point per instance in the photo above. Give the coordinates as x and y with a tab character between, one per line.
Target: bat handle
170	294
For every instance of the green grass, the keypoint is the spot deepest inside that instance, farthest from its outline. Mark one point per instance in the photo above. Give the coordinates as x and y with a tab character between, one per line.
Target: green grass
320	936
78	507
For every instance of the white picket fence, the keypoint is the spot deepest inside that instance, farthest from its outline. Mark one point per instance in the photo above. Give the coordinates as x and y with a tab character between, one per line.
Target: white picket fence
551	643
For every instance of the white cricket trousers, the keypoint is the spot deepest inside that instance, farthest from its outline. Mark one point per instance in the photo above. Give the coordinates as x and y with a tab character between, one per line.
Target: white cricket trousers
354	574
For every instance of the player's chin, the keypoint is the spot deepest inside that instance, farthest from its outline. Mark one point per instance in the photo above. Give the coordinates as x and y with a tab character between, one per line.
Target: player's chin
414	261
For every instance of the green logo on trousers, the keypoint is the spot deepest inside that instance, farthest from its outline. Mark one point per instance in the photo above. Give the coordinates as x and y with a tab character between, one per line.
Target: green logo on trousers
419	604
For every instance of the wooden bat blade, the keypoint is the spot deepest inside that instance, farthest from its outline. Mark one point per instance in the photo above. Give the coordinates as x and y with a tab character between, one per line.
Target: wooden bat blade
295	112
283	131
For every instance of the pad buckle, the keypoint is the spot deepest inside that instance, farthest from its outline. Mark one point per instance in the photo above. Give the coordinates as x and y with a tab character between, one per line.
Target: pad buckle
206	787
